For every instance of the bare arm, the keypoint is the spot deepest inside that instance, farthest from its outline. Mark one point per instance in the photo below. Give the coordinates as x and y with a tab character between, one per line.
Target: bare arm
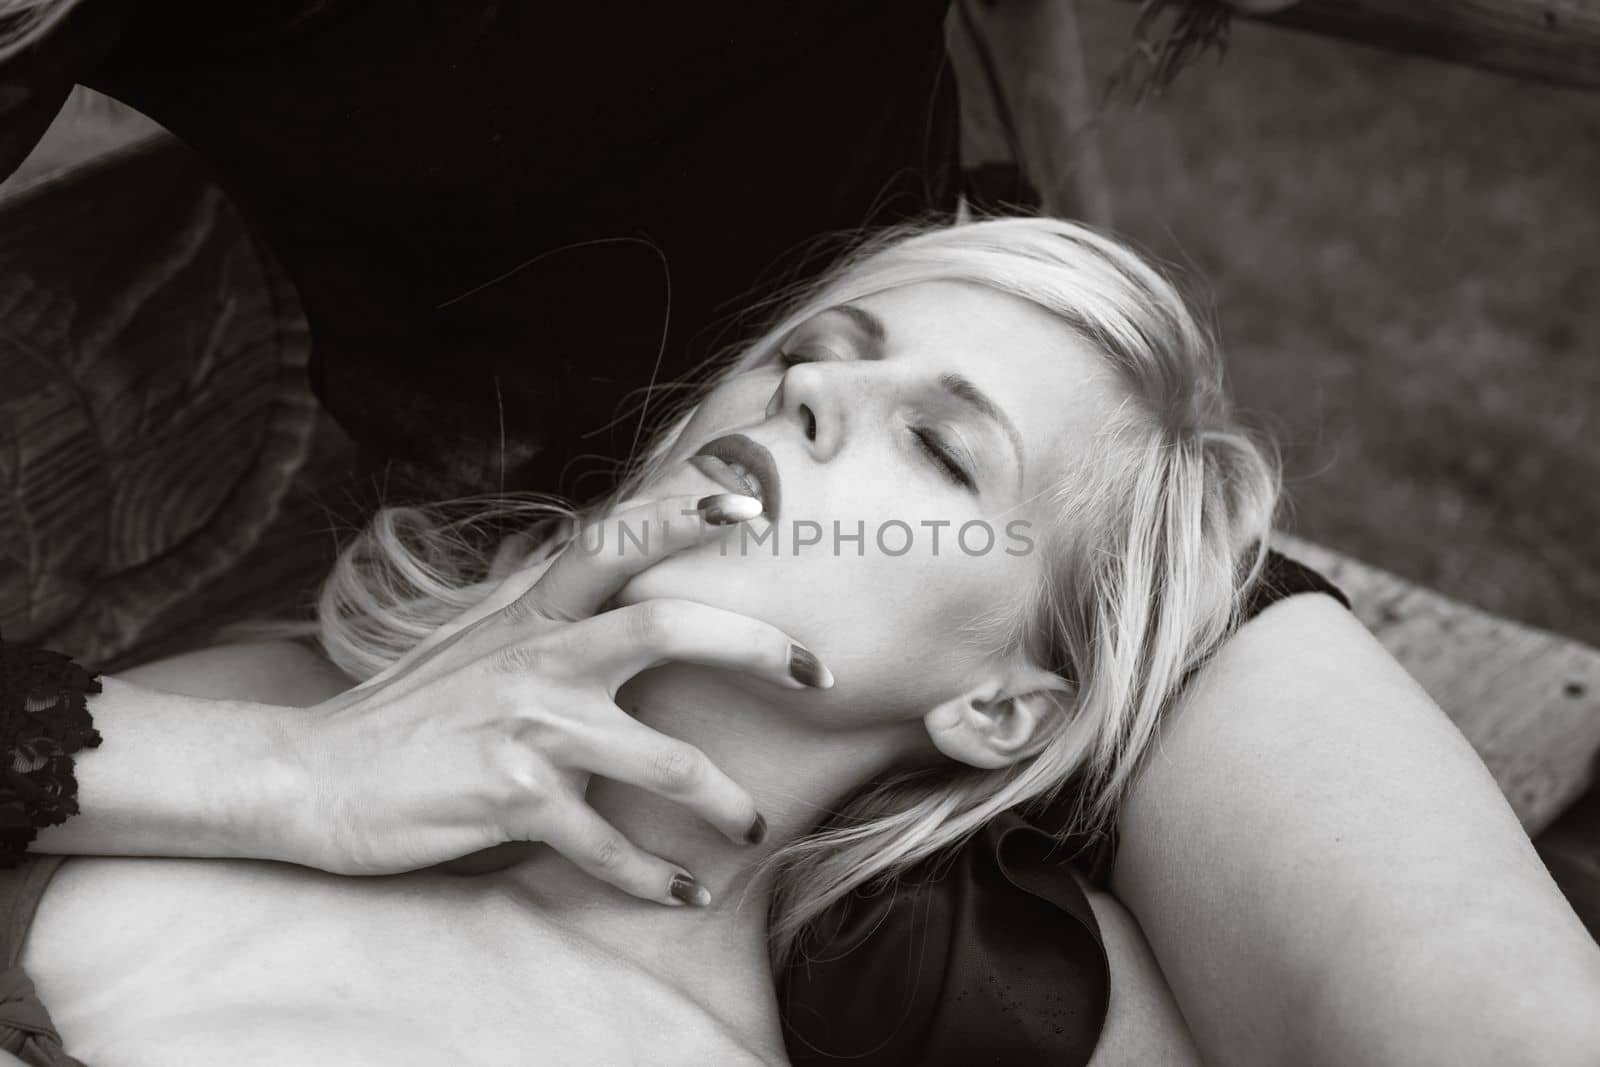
197	759
1328	874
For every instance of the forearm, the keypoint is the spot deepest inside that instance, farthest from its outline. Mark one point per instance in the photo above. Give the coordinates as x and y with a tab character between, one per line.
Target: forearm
183	776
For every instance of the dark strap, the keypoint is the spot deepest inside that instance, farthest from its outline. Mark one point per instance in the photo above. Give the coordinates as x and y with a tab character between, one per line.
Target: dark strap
1285	577
26	1030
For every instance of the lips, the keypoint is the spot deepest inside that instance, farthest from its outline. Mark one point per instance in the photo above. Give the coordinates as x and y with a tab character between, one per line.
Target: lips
740	464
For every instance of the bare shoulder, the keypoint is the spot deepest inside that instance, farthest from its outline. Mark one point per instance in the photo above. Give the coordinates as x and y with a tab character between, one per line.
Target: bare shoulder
1312	841
1302	726
1300	632
1302	668
281	672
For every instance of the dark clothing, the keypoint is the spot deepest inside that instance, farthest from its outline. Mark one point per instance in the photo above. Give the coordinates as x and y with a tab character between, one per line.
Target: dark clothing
25	1027
44	723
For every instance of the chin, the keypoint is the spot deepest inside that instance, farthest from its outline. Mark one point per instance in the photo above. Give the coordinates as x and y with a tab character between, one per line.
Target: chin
703	576
697	574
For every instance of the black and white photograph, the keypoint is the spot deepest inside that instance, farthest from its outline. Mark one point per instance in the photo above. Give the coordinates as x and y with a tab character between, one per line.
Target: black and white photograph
874	533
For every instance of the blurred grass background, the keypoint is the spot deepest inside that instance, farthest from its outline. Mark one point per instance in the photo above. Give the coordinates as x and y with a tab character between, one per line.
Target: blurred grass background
1402	258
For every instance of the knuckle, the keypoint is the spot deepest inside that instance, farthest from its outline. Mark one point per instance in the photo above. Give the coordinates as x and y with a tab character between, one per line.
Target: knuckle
559	649
528	781
608	853
520	610
645	623
676	767
520	658
659	620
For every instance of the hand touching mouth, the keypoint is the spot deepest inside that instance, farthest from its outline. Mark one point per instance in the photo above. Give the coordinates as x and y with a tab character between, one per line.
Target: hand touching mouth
740	465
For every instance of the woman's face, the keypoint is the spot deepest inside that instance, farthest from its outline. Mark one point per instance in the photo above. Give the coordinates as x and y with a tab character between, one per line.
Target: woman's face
911	433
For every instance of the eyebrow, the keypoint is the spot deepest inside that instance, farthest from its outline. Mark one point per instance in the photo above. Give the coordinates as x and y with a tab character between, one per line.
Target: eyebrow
960	388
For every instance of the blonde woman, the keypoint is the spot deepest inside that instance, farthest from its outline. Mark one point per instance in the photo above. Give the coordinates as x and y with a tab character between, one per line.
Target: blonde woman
1323	871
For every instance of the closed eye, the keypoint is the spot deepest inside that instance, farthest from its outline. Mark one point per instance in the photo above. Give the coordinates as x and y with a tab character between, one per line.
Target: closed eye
805	354
931	444
934	446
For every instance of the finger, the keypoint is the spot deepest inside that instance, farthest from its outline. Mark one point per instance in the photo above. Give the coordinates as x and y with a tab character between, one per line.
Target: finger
612	549
621	643
600	849
632	753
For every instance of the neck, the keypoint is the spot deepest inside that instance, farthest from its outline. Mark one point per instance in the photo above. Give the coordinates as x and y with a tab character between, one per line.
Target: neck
796	773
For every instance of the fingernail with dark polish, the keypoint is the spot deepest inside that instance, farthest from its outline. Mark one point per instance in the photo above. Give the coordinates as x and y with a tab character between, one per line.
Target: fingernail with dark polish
757	832
807	669
725	509
686	889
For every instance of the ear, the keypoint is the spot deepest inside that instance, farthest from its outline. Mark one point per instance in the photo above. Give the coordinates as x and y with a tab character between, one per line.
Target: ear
1002	719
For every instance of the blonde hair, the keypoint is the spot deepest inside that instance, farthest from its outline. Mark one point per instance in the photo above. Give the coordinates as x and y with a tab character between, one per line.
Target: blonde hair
1162	530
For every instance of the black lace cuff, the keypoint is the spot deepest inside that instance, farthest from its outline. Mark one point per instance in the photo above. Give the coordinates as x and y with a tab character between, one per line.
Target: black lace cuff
44	719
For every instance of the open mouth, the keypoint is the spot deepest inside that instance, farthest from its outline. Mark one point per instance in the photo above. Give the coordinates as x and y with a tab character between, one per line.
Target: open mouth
741	465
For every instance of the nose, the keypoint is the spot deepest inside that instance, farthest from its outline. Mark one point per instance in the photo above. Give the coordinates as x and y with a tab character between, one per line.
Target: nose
811	398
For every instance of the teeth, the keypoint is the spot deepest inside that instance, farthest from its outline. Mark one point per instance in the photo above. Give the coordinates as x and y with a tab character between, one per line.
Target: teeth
739	469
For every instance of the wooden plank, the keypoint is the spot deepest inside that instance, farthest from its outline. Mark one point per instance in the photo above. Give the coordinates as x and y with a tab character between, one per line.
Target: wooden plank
1527	700
1038	62
983	133
1553	41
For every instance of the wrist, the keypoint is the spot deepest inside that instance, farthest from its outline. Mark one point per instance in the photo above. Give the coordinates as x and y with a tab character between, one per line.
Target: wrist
262	786
187	776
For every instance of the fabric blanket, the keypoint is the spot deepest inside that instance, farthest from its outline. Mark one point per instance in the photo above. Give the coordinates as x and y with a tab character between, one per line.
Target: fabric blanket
153	399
